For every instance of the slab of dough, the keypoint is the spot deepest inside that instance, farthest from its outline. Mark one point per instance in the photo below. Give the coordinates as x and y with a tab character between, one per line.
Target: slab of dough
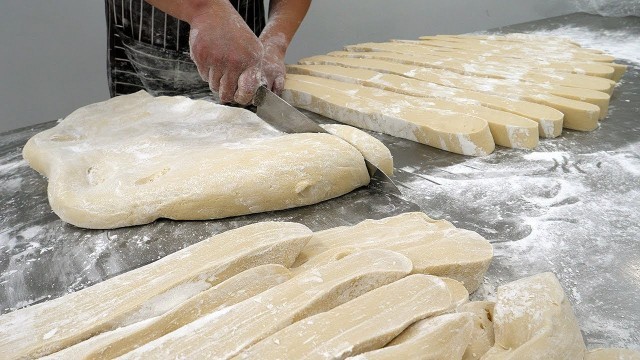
507	129
549	119
147	291
513	87
447	130
372	149
225	333
434	246
113	343
365	323
577	114
612	354
438	338
533	319
135	158
482	337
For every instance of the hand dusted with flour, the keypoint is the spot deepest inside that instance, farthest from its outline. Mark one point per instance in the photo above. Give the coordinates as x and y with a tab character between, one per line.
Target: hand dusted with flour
133	159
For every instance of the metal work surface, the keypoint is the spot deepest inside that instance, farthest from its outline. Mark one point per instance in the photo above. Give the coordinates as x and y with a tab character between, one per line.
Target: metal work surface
571	206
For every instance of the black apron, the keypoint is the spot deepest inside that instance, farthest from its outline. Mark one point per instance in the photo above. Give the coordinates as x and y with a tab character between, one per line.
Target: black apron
149	50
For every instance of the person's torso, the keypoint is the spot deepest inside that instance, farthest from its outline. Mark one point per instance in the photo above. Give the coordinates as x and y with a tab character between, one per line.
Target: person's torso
143	22
149	49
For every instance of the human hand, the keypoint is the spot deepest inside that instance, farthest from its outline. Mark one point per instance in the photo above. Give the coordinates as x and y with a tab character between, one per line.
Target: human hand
227	53
273	67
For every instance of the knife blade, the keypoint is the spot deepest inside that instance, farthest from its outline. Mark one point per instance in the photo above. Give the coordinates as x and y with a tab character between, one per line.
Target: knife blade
286	118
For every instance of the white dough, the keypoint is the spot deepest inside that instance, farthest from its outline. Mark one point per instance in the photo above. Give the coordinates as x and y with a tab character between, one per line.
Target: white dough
144	293
533	319
372	149
363	324
135	158
440	337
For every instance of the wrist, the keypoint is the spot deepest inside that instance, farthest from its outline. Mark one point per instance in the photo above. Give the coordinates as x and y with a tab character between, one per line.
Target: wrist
276	44
193	9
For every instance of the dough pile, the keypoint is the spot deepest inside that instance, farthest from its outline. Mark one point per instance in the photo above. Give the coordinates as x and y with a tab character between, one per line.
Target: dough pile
135	158
463	94
272	290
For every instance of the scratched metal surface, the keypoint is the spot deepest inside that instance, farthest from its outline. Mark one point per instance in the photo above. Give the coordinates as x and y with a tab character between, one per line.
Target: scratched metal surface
571	206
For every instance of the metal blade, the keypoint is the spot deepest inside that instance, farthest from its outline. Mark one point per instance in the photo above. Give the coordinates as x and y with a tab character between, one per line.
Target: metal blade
282	116
286	118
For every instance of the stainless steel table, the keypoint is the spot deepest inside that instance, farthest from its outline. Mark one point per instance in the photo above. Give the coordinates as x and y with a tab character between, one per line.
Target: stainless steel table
571	206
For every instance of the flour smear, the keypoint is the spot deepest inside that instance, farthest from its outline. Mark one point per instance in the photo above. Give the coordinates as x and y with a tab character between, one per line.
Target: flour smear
623	45
609	7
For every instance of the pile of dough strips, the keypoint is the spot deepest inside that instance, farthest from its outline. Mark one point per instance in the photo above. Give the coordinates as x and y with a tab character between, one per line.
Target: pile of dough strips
396	288
463	94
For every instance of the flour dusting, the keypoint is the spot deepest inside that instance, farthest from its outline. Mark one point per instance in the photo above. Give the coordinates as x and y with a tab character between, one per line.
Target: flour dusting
619	43
540	207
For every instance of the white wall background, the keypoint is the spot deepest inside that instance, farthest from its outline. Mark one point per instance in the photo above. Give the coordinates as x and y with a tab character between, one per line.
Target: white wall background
52	59
52	53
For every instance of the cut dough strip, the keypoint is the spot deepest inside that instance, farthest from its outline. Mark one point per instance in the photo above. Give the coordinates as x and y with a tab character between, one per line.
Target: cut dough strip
447	130
429	53
441	337
240	287
434	246
225	333
48	327
514	37
527	44
363	324
578	115
533	319
505	85
507	129
524	45
410	226
569	58
549	120
459	293
482	337
481	71
371	148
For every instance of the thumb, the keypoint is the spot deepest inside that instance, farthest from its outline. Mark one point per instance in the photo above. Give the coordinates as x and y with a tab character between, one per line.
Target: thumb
278	84
248	83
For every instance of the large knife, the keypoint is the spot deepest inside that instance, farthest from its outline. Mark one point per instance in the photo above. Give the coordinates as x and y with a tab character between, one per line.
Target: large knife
286	118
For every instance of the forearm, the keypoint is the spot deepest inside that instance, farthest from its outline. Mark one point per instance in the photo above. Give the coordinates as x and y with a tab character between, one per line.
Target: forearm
187	10
285	16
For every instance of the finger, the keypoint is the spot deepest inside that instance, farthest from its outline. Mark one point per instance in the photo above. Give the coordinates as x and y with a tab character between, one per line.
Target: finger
214	79
204	73
248	84
278	85
228	86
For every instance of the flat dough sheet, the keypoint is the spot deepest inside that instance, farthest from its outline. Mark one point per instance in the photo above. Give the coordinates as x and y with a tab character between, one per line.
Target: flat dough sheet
135	158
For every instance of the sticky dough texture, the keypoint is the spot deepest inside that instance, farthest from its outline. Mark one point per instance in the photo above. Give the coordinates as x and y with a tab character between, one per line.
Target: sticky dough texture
135	158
